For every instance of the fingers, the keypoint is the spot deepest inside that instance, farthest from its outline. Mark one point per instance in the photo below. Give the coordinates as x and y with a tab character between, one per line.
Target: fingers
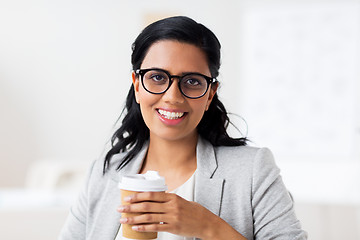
144	219
145	211
148	196
151	228
155	202
142	207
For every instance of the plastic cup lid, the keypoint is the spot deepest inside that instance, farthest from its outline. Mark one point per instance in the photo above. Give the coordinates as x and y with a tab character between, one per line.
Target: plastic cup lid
150	181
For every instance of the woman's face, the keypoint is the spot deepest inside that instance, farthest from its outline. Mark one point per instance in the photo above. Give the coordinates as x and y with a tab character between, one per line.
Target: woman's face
171	115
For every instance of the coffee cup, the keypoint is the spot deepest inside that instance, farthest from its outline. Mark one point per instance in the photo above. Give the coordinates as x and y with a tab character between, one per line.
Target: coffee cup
151	181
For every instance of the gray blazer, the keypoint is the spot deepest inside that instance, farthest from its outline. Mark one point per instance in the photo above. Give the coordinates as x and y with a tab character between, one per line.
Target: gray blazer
242	185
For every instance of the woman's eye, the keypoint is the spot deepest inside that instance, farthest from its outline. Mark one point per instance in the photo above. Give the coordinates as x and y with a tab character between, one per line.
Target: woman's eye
157	77
193	82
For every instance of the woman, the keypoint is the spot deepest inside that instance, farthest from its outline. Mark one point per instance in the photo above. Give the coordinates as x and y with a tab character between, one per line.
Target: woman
175	124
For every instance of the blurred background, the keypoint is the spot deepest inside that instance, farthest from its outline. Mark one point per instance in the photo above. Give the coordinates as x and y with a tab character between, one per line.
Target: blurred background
290	75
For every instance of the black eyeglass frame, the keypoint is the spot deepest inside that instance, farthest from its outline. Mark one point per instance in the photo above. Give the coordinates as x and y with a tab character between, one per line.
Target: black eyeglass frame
141	72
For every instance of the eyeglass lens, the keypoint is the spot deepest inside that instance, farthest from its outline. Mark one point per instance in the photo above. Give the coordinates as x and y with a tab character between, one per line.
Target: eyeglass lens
191	85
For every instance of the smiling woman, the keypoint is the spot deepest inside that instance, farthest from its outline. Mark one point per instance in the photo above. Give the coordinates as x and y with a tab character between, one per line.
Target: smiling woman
177	58
175	124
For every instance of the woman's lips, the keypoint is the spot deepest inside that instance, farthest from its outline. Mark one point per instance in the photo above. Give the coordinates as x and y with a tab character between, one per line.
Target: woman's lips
171	115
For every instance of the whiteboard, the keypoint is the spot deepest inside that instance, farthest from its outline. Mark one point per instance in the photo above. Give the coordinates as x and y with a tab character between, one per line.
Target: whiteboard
299	75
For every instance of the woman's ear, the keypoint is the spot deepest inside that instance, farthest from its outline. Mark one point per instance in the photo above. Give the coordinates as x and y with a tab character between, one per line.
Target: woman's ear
135	81
212	90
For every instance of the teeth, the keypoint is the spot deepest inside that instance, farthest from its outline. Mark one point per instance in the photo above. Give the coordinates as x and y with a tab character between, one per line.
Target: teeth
170	115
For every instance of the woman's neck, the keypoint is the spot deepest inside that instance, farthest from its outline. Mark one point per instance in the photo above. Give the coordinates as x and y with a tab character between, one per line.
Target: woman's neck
175	160
171	153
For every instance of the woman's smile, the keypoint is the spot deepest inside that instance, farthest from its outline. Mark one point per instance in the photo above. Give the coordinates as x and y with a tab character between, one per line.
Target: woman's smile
171	117
170	114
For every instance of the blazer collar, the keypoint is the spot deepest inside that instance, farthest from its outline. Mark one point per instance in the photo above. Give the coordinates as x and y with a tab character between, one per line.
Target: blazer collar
133	167
208	190
206	160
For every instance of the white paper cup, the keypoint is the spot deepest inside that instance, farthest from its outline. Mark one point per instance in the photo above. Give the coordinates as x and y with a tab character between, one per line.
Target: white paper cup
151	181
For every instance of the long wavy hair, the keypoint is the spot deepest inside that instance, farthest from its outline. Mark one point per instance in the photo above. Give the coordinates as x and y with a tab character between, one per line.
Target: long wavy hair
133	132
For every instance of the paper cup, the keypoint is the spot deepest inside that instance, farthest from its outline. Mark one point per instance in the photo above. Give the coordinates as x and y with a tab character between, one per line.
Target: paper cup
151	181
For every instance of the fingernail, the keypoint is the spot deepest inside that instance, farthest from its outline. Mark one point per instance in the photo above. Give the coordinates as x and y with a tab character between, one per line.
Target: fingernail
121	209
123	220
135	228
127	199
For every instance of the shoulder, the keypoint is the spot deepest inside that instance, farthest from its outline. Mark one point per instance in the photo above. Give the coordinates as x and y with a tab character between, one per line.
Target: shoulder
97	178
252	160
243	154
236	151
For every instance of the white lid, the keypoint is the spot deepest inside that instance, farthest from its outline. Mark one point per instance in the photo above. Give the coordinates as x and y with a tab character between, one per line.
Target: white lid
151	181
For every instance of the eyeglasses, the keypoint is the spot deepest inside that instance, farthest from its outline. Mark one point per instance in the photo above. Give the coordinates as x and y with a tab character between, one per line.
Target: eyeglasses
158	81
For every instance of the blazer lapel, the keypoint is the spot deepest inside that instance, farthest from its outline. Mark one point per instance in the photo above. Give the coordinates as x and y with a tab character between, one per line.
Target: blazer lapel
208	190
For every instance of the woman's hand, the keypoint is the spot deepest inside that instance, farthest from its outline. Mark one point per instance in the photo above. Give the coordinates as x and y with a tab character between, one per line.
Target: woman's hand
167	212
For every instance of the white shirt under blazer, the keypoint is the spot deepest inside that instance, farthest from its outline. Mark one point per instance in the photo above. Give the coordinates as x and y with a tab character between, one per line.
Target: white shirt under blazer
240	184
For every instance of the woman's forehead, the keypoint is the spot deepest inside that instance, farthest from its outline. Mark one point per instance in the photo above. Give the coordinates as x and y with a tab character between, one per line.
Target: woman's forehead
176	57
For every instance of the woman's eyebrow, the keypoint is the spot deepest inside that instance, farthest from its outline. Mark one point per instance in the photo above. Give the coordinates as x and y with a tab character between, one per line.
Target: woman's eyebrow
181	74
185	73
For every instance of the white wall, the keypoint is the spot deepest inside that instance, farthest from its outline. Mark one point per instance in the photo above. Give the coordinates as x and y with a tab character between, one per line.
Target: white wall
290	68
65	71
301	92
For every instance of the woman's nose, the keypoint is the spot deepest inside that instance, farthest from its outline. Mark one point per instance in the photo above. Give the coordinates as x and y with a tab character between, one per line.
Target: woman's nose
173	94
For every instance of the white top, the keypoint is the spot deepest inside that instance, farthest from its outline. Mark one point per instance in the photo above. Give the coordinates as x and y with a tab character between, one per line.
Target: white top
185	191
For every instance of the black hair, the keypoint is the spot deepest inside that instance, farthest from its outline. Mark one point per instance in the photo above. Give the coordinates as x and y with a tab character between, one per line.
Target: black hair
133	132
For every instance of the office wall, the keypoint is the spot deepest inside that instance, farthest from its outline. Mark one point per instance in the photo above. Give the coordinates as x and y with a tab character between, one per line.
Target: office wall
289	68
300	92
64	74
65	71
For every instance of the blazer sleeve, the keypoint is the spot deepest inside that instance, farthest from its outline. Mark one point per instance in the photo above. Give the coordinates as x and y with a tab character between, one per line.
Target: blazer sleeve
75	224
273	209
